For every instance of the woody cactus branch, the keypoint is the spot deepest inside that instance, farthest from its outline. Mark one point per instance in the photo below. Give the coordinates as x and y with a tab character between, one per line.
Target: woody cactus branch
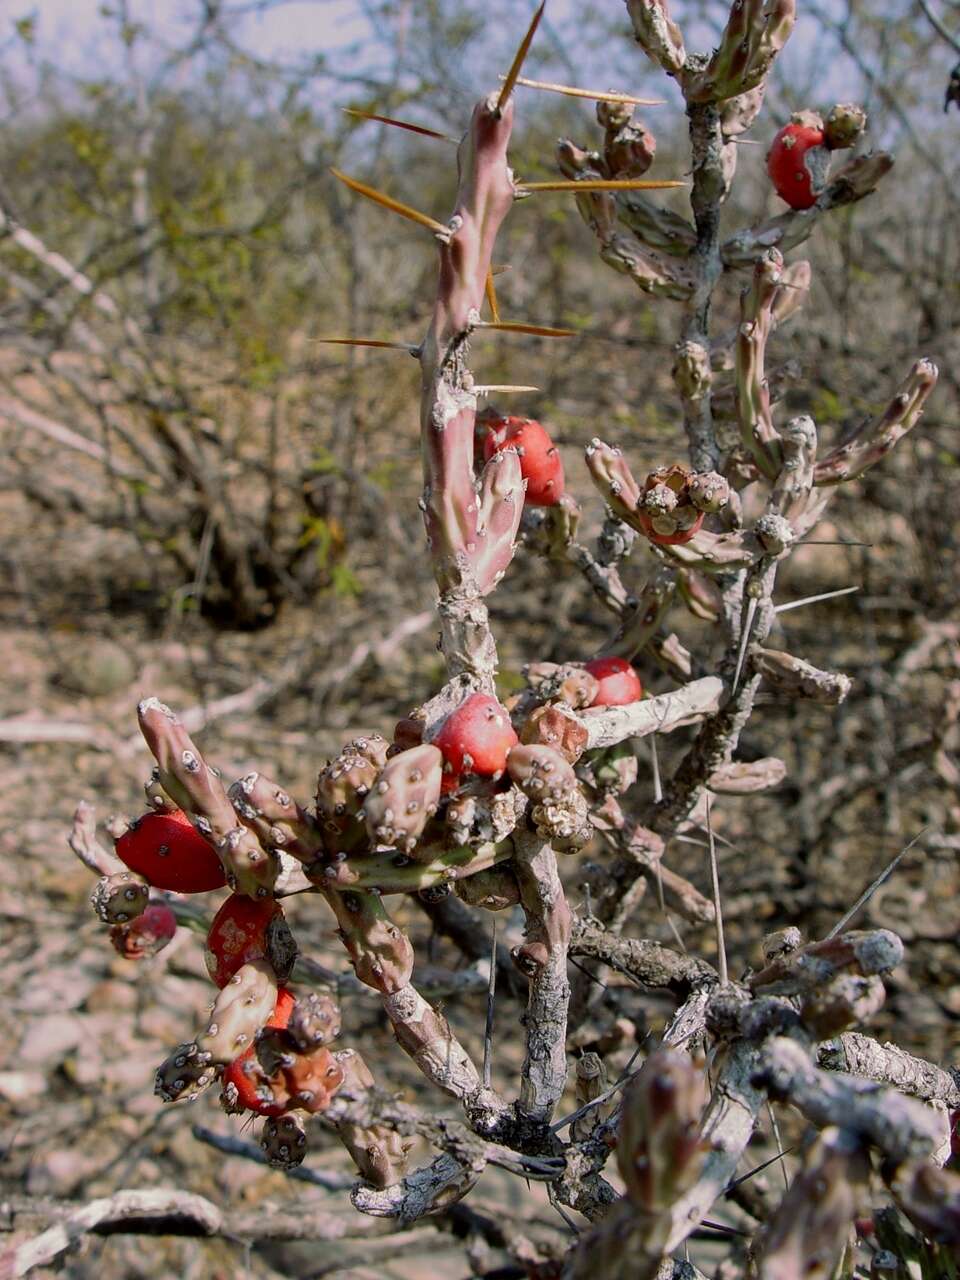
877	437
471	527
543	958
759	435
383	959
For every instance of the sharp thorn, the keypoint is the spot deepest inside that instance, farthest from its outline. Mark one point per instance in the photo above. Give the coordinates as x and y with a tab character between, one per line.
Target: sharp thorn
871	889
409	347
388	202
510	79
517	326
491	1004
506	389
594	95
399	124
776	1137
744	641
826	595
745	1177
492	297
599	184
717	907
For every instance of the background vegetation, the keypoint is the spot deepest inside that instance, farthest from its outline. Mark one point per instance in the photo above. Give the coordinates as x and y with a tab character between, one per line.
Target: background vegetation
199	499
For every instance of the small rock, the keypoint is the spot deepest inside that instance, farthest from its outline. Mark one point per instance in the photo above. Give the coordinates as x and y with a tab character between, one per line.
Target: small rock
21	1086
95	667
111	997
48	1040
59	1173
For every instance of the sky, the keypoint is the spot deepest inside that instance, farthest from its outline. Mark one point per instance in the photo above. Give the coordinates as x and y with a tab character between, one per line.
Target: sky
75	31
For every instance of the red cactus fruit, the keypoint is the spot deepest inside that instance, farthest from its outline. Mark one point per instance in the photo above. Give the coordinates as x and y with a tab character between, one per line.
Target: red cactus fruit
238	935
241	1078
145	935
540	463
475	738
668	539
619	683
797	164
170	853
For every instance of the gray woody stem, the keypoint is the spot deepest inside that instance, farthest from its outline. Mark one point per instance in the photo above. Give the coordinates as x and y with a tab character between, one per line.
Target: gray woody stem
543	957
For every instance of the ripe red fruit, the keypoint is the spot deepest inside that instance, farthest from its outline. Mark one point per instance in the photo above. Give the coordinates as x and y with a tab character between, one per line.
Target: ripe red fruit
540	463
246	1082
170	853
619	683
147	934
475	738
238	935
797	164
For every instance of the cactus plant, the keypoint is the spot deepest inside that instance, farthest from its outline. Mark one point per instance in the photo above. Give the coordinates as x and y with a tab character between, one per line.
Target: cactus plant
478	797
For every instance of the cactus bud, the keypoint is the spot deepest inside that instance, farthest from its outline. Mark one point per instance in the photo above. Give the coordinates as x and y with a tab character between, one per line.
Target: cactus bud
660	1150
808	1232
170	853
343	786
708	491
844	125
145	935
404	797
284	1142
559	809
610	473
275	817
630	151
774	533
314	1021
184	1074
861	952
619	683
614	115
553	726
378	1152
119	898
240	1010
185	776
540	463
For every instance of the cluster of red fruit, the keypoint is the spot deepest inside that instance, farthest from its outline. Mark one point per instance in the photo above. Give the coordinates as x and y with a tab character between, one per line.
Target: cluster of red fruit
169	853
268	1046
478	737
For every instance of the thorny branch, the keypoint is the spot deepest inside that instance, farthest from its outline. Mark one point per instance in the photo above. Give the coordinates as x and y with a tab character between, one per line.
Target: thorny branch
483	814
